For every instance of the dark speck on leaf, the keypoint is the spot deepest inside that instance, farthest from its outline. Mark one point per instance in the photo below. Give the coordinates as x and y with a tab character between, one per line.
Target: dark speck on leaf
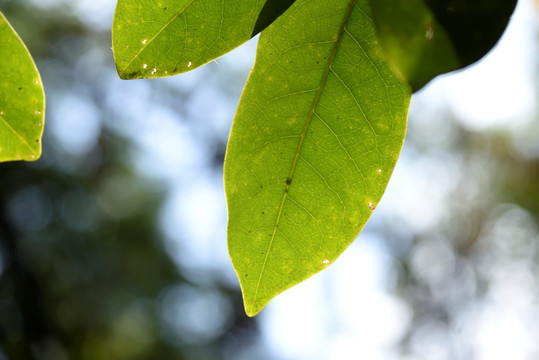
288	181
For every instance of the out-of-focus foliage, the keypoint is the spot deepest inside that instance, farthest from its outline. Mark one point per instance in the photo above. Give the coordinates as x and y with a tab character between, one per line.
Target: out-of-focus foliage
470	277
426	38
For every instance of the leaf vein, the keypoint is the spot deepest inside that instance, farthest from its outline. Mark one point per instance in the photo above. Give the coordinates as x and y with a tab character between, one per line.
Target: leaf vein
303	134
22	139
157	34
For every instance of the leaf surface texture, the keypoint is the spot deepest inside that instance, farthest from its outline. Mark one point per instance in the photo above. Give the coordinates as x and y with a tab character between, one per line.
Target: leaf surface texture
166	37
22	99
315	139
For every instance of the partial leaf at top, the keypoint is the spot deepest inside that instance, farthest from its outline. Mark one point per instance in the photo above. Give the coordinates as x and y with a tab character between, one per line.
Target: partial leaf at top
426	38
473	26
22	99
316	136
166	37
413	40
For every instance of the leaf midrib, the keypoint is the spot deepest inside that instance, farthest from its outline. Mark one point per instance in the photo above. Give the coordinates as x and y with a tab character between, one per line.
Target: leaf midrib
157	34
303	134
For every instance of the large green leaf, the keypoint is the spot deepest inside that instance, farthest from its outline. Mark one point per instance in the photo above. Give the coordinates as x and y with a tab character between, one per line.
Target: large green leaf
22	99
161	38
426	38
316	136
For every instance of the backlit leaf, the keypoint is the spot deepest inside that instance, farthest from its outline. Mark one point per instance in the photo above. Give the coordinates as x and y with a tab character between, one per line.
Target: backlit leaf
22	100
166	37
315	139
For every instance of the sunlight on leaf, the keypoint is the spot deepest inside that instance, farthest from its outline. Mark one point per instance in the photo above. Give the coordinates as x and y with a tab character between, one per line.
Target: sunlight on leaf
167	37
22	99
316	136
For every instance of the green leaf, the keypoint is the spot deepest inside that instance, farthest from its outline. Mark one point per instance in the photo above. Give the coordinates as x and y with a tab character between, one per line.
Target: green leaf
426	38
414	40
167	37
319	128
22	99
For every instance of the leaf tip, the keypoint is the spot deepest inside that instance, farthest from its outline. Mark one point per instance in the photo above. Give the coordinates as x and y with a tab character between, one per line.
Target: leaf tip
252	309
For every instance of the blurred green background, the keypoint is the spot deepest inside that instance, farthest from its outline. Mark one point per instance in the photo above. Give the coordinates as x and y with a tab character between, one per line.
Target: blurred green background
113	245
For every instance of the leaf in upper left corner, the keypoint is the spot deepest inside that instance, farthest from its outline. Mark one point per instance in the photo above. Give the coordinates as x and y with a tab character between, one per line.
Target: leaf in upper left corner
22	99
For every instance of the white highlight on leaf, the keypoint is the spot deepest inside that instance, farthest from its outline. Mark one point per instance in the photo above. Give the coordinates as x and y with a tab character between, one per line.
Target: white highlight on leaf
144	41
429	34
144	66
325	262
189	64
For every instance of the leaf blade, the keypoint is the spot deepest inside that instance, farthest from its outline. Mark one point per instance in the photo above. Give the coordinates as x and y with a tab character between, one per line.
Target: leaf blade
22	99
290	212
155	39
